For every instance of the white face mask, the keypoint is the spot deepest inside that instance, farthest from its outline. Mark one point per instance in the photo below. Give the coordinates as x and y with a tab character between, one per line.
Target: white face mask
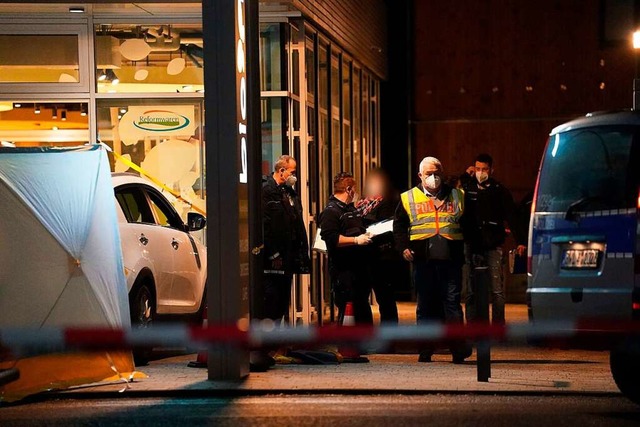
291	181
482	177
433	182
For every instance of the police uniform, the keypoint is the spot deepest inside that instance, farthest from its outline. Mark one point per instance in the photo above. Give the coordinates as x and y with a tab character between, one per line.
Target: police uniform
429	225
348	264
285	241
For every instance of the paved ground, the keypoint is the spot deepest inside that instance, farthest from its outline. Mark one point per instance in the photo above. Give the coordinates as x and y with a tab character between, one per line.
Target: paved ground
330	410
514	370
538	371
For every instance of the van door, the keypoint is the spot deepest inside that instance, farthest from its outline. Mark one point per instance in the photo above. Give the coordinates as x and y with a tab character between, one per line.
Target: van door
583	230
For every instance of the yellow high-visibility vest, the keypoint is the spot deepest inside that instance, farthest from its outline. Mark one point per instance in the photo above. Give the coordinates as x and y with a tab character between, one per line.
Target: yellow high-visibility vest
427	221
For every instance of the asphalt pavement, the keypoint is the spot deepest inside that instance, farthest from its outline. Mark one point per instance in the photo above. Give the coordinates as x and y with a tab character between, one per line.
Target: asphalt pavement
329	410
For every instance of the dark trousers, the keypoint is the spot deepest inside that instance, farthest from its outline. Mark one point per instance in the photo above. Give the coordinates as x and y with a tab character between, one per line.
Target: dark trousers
353	286
277	296
384	276
438	285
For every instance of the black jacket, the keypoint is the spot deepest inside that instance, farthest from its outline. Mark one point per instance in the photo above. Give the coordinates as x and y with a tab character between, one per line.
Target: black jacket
487	207
339	218
384	245
285	235
421	248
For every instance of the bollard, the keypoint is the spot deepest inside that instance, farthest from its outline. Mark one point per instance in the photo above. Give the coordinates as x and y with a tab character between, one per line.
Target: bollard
481	280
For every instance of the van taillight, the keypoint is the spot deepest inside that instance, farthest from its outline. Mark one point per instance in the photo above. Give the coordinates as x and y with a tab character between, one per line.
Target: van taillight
530	265
635	304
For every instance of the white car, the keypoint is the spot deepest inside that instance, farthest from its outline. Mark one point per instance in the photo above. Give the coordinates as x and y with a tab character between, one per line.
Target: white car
165	266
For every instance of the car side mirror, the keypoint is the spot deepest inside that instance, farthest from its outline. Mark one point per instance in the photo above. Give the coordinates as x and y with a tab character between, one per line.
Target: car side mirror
196	221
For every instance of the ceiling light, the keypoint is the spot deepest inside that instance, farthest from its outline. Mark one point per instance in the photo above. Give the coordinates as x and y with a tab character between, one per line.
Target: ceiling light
76	9
55	128
119	116
63	116
83	110
36	109
17	105
123	110
54	115
103	76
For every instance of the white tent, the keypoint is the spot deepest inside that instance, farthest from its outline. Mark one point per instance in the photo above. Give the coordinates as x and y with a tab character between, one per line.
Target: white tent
60	257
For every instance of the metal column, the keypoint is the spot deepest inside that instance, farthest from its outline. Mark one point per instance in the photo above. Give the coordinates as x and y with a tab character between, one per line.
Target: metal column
229	147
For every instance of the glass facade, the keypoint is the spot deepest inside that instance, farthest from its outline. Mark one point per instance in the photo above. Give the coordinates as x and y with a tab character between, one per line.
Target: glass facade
134	82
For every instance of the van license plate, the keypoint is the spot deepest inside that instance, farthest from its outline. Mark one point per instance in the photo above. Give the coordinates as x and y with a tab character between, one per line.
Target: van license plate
580	259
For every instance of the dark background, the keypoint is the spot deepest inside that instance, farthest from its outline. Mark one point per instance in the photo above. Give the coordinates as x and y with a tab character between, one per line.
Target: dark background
496	76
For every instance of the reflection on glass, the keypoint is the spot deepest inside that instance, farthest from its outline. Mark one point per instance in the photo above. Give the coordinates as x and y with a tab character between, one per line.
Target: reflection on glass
270	57
39	59
324	170
164	140
346	116
43	124
356	124
273	132
149	58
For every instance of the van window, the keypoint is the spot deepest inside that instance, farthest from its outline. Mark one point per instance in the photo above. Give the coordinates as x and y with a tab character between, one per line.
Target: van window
588	165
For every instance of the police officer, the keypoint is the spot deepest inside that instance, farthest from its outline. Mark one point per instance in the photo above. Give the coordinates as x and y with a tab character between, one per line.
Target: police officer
343	231
286	248
488	206
428	233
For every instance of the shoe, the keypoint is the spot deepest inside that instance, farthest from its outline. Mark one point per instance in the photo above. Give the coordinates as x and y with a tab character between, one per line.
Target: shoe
425	357
260	361
458	357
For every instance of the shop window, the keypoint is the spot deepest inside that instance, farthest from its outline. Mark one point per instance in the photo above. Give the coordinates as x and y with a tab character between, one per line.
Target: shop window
52	57
42	124
346	116
49	59
336	125
271	48
366	130
324	147
356	126
161	137
273	132
149	58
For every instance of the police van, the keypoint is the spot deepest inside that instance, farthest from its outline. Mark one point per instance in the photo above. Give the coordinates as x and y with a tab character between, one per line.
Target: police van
584	244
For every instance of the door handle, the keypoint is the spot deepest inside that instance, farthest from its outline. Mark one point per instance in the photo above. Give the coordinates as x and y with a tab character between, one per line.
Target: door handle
175	244
143	239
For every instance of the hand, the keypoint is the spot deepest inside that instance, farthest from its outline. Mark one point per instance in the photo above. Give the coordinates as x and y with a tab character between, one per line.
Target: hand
363	239
521	250
471	170
407	254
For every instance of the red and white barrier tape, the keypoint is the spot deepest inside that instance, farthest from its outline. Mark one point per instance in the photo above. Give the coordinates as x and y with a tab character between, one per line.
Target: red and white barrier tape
259	335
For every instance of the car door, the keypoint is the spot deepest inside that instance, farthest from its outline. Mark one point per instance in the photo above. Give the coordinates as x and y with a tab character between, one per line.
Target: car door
186	287
142	240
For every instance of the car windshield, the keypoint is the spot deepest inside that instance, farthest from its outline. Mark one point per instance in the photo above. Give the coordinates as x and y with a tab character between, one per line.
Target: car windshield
590	169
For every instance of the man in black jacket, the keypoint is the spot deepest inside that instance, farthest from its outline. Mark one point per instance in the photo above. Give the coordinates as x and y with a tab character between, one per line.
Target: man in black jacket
344	233
488	206
286	248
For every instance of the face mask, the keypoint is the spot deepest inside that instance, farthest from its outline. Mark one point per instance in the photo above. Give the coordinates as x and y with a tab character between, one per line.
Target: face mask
291	181
433	182
482	177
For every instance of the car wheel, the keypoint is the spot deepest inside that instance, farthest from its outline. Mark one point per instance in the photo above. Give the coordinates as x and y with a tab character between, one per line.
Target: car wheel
624	368
142	315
